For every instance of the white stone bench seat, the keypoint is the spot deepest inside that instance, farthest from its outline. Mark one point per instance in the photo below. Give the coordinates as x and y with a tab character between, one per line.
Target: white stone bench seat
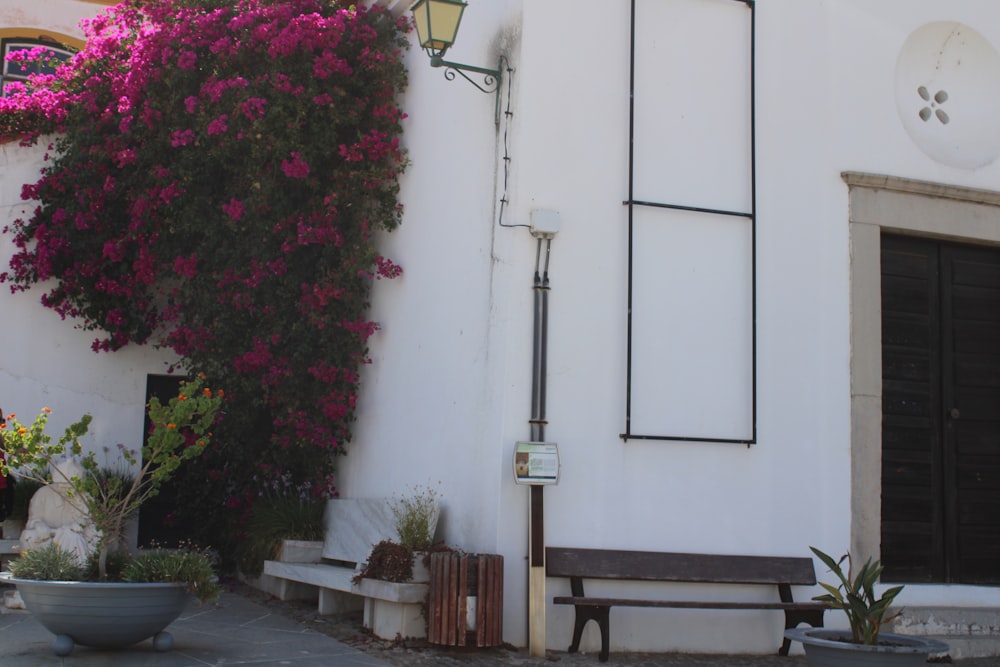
333	581
324	575
352	527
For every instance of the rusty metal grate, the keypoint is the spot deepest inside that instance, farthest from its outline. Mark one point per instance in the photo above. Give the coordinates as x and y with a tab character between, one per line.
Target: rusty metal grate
455	578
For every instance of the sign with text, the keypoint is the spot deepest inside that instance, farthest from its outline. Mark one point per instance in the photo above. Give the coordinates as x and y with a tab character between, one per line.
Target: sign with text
536	463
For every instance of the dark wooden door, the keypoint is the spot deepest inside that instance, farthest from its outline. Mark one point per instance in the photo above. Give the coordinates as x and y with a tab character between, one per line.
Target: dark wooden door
156	523
940	411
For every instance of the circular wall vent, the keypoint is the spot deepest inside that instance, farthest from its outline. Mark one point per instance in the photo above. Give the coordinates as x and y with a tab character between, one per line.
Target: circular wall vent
948	94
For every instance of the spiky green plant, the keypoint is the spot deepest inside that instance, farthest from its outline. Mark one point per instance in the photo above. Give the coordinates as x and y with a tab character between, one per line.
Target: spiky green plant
188	565
48	563
855	595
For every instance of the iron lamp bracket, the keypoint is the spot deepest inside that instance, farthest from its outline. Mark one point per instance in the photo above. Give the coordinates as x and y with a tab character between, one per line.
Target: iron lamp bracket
491	78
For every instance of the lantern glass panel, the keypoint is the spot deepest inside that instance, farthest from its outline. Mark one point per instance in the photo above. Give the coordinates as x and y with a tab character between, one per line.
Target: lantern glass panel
437	23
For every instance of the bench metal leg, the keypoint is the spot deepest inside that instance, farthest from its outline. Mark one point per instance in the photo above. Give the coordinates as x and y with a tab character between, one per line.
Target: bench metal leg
793	617
586	613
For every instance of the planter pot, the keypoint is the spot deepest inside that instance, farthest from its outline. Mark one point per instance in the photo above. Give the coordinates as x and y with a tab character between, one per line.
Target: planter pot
833	648
103	614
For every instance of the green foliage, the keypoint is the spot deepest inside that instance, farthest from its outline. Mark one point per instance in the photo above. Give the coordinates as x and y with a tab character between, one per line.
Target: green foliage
181	430
114	480
187	565
416	517
855	595
114	564
219	176
48	563
274	519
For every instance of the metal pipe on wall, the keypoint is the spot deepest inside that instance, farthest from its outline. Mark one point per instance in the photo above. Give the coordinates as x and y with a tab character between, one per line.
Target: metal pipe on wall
536	523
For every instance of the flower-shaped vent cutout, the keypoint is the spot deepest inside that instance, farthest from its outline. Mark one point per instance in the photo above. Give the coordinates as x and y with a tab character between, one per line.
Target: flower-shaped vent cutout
940	97
955	72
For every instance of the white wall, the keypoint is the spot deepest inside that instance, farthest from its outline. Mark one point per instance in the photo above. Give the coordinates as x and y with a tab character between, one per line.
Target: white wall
448	393
59	16
48	363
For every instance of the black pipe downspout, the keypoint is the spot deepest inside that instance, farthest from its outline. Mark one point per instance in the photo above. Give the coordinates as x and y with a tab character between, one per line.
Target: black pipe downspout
536	514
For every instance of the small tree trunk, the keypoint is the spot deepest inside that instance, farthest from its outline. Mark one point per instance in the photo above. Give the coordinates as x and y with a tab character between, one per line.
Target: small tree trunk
102	561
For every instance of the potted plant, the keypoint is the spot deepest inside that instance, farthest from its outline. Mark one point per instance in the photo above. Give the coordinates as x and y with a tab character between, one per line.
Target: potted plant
416	518
124	603
864	643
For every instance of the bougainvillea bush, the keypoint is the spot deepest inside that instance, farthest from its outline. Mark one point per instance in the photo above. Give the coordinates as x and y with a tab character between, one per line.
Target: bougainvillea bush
216	174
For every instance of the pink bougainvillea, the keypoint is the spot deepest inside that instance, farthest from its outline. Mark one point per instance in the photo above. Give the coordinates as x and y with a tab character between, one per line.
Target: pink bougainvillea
218	173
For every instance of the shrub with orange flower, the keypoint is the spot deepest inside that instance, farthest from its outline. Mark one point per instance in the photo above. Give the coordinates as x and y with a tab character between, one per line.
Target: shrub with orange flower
181	430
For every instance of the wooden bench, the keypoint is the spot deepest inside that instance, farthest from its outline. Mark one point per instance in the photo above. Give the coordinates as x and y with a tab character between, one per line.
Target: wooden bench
579	564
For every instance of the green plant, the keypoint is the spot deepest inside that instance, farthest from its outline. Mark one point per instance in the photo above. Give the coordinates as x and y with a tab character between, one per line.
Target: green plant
388	561
188	565
274	519
855	595
220	174
416	518
114	564
48	563
114	480
180	431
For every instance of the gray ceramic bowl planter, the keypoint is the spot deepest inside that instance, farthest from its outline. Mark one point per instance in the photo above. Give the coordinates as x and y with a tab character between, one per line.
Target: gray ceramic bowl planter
833	648
103	614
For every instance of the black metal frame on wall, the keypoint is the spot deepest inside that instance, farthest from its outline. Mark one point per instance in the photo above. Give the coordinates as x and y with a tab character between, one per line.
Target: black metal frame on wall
749	215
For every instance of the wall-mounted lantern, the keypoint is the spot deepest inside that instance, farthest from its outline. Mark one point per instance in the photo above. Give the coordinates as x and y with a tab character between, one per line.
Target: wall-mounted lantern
437	24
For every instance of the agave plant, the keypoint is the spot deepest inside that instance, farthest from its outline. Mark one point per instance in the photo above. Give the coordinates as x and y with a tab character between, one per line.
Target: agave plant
855	595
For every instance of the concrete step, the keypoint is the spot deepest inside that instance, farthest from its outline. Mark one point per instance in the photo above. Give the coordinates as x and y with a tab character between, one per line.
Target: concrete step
970	632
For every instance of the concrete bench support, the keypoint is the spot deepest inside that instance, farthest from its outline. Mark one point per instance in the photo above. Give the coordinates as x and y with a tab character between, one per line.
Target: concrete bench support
353	527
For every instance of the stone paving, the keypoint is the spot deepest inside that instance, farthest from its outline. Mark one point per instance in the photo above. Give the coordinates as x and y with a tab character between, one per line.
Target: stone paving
248	627
348	629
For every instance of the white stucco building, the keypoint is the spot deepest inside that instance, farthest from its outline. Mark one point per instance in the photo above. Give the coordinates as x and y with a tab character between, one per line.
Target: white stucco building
738	186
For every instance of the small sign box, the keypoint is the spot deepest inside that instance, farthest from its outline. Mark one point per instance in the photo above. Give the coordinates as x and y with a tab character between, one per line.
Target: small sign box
536	463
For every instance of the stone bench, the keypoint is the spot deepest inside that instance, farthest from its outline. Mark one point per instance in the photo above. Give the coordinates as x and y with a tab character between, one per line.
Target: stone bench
352	527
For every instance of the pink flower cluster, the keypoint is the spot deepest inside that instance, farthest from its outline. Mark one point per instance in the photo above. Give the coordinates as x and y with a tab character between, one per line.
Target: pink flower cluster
218	175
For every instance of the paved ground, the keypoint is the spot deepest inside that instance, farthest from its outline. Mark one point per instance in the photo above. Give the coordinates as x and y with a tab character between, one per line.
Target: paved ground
248	628
348	629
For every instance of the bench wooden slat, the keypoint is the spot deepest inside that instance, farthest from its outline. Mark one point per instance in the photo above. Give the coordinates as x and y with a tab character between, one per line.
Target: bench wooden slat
686	604
696	568
782	572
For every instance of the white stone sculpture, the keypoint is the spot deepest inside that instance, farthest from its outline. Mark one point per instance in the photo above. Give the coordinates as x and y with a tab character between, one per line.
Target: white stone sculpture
53	517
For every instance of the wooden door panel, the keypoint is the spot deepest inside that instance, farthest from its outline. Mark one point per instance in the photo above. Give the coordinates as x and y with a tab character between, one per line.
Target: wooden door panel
970	325
912	529
941	411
